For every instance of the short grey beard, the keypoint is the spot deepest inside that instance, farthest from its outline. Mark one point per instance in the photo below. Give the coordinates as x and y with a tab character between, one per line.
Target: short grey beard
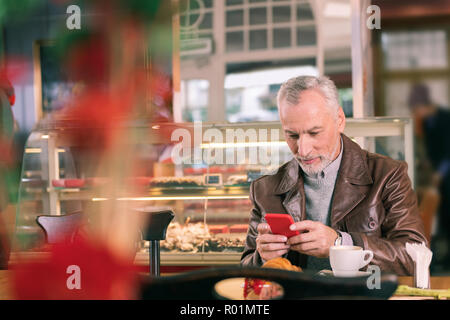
325	161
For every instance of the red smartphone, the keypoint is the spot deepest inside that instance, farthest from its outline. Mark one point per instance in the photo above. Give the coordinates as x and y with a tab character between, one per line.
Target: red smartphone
279	224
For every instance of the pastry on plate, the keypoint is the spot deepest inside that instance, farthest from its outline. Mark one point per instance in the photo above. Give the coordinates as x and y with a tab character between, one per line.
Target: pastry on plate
281	263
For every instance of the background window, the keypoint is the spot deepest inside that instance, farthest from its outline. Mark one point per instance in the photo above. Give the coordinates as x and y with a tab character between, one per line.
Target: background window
306	36
194	99
258	39
258	16
234	2
282	38
304	12
414	50
235	18
235	41
281	14
251	95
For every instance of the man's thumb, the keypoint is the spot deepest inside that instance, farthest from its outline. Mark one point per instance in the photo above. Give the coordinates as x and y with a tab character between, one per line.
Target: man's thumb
263	228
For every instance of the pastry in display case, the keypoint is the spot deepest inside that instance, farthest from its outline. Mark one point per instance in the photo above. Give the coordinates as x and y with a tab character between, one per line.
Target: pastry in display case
176	182
199	237
210	199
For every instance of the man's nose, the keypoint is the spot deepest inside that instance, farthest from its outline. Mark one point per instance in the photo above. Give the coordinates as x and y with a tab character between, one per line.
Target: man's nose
304	146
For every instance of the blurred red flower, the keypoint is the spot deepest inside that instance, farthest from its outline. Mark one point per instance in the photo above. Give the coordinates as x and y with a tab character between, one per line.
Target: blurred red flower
94	115
101	274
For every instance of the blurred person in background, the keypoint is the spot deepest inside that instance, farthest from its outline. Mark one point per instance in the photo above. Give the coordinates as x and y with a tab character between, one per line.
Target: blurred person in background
432	126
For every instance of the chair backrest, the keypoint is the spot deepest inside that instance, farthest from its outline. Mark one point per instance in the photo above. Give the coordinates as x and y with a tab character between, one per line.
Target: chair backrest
157	223
200	284
60	229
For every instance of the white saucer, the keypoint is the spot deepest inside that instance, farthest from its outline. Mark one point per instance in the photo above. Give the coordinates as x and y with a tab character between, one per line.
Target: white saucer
351	274
345	274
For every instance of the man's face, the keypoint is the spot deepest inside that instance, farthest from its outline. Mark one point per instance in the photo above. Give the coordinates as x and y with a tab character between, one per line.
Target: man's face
312	130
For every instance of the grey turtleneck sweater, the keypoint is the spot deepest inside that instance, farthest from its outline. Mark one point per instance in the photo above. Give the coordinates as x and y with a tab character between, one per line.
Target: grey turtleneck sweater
319	189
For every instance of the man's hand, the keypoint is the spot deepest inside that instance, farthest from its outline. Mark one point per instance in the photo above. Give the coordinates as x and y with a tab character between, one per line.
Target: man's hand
315	238
268	245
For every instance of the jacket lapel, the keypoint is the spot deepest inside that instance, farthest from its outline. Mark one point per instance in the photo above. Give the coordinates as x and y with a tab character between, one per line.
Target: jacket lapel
353	175
291	191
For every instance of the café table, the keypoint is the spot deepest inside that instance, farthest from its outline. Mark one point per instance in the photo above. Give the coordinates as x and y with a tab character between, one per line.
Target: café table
439	283
232	288
436	283
5	286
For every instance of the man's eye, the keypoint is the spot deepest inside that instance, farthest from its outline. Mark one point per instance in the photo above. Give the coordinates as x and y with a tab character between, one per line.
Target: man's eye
293	136
313	133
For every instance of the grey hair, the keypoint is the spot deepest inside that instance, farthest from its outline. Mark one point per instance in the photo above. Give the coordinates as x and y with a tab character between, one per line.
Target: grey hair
291	89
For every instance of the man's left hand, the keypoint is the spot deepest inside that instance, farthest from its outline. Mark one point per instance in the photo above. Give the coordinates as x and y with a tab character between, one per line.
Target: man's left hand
315	238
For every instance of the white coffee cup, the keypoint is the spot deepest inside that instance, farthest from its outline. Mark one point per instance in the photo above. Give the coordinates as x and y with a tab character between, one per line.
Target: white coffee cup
347	260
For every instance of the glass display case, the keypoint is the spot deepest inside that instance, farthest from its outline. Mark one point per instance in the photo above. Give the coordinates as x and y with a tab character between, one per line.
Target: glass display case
201	171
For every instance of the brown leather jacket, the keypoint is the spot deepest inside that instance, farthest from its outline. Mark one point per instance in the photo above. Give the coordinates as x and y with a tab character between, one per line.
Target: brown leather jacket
373	201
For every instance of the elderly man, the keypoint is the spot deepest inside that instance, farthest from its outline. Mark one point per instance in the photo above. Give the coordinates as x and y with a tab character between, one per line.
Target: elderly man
336	192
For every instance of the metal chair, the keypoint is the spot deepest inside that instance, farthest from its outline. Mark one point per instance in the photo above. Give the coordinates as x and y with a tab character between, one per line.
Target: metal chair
154	232
60	229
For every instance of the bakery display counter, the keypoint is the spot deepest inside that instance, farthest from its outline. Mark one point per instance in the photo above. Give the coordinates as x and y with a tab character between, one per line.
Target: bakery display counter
210	199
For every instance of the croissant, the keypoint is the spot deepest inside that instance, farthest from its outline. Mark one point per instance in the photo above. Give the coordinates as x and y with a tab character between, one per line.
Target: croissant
281	263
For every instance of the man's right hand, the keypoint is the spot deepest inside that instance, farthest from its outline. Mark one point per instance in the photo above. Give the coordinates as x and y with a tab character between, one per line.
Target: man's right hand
268	245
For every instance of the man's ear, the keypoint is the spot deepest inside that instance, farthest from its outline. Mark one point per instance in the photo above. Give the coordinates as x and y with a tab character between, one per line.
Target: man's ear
341	120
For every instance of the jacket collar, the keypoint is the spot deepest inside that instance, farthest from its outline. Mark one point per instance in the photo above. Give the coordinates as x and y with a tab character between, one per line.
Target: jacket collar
354	163
353	173
287	177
